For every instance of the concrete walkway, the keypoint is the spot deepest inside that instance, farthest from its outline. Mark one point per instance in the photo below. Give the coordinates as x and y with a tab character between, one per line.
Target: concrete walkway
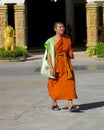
25	104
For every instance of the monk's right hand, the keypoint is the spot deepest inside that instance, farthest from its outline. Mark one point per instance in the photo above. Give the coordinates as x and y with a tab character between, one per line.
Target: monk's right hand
52	71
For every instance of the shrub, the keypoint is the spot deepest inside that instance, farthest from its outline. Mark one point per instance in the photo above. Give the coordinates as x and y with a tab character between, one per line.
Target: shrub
100	49
18	52
97	50
91	50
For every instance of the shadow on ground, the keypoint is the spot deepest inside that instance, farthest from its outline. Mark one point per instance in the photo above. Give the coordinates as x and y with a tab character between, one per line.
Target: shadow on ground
88	106
92	105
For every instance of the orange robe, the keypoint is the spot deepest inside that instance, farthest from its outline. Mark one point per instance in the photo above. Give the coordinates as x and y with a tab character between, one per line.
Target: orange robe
63	87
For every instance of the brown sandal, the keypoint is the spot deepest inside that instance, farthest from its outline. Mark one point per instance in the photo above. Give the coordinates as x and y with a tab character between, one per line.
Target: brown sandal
55	108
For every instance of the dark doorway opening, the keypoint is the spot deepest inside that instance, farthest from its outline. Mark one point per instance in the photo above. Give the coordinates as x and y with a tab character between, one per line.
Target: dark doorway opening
41	16
10	9
80	25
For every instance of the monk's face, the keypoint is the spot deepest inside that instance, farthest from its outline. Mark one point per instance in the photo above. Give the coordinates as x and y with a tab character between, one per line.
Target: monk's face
59	29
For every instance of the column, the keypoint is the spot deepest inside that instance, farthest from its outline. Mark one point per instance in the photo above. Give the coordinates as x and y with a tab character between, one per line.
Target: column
92	24
70	18
3	22
20	26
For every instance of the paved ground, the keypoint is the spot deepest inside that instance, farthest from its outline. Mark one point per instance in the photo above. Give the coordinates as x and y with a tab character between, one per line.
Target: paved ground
25	104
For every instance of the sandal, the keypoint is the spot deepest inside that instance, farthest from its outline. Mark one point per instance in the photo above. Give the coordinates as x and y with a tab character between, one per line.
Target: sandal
74	108
55	108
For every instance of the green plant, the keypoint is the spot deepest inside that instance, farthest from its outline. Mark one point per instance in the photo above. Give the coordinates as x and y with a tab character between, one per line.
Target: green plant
100	49
18	52
97	50
91	50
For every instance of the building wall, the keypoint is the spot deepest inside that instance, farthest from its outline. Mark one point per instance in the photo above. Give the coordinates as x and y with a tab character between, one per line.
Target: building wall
19	12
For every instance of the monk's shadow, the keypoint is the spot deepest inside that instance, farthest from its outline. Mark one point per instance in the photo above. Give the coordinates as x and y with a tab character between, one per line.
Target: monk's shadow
88	106
91	105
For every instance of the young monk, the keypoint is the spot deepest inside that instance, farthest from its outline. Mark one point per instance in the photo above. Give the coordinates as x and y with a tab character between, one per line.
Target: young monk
59	58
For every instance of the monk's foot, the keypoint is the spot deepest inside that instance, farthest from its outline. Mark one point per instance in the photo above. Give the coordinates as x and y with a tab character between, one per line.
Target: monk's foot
74	108
55	108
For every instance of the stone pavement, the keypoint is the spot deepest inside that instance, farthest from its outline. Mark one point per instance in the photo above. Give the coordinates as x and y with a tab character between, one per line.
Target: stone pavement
25	104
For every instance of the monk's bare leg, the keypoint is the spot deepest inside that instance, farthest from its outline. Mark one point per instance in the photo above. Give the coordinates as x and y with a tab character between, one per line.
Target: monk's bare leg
55	102
70	103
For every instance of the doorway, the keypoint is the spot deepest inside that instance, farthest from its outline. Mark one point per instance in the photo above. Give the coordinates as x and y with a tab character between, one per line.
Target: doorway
41	17
10	10
80	25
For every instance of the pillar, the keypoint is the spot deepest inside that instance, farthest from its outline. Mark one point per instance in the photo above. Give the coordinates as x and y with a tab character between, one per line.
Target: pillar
92	24
20	26
3	22
70	18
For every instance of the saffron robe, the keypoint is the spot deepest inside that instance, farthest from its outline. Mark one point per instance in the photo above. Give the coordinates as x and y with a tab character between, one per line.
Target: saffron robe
63	86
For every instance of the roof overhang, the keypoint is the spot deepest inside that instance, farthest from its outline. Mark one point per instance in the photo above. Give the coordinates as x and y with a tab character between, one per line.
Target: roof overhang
92	1
19	2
